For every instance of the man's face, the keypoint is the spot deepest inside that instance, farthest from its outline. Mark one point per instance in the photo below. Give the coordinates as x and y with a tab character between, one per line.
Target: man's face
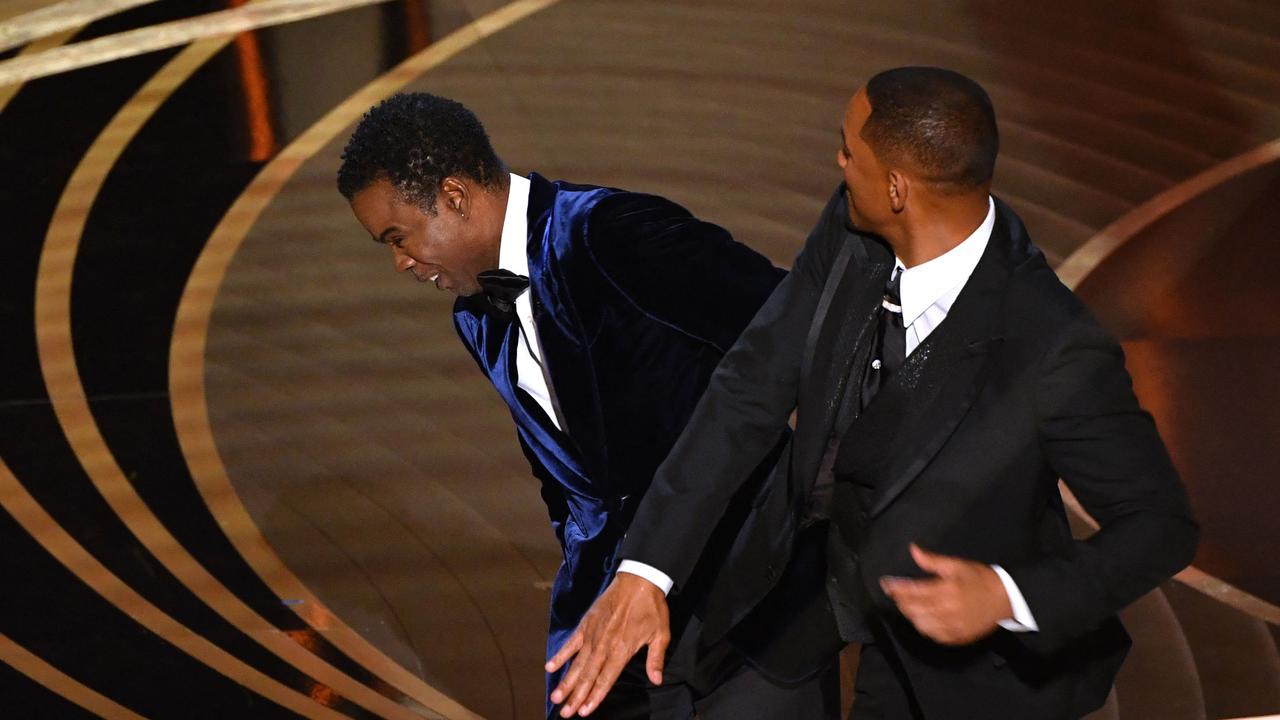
440	248
867	180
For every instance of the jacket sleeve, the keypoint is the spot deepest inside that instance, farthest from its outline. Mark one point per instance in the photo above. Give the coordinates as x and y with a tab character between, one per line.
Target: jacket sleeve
685	273
1107	451
738	420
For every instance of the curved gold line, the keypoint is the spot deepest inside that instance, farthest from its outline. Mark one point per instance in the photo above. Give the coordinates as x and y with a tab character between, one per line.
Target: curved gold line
57	542
187	352
1097	249
62	379
263	13
14	9
66	15
34	667
11	653
8	91
1089	256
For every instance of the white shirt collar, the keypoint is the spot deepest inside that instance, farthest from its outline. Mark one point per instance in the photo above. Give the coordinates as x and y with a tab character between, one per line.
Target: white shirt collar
513	248
930	283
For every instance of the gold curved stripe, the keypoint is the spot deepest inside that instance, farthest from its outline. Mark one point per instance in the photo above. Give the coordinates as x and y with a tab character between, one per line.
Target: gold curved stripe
57	542
58	17
1080	263
1089	256
31	665
187	352
11	653
8	91
263	13
61	375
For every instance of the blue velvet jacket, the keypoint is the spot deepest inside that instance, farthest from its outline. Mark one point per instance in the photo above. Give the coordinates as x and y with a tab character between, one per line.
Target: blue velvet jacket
635	302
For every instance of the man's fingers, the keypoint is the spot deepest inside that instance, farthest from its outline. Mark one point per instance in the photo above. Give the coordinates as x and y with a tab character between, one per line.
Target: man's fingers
583	683
566	651
573	678
902	589
656	658
604	682
933	563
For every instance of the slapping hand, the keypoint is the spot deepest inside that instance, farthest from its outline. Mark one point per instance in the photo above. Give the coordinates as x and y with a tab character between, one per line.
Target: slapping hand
630	614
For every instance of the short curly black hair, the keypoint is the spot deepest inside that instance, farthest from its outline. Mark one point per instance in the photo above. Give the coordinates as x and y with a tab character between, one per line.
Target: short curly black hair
415	141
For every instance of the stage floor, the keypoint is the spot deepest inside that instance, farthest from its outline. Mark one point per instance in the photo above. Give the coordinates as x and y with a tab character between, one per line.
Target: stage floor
248	471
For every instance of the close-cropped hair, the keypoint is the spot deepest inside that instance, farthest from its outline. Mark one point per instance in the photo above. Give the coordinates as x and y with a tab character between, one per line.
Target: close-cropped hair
415	141
935	122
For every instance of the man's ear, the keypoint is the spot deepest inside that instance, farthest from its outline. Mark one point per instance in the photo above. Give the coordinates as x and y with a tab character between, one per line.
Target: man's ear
454	196
899	188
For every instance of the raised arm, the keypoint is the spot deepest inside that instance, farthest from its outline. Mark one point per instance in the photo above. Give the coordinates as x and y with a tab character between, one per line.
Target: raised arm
746	405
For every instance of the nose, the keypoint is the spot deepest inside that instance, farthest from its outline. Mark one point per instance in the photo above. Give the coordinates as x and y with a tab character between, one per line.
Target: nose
402	260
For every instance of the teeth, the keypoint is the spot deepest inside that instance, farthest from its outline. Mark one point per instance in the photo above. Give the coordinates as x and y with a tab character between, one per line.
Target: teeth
435	277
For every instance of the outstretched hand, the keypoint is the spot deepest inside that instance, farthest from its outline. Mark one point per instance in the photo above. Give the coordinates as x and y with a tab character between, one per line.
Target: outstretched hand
963	602
630	614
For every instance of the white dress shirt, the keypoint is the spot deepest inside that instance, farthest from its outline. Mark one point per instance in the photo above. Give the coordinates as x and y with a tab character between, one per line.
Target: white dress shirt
513	255
927	292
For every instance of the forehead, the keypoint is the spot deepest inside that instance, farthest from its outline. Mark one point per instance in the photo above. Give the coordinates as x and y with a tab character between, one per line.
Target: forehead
855	115
380	203
378	196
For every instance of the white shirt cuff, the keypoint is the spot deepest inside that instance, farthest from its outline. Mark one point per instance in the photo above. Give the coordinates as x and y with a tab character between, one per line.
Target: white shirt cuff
648	572
1022	620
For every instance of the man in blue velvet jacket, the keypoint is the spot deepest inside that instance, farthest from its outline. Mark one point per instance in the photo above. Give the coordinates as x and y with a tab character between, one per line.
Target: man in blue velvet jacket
599	316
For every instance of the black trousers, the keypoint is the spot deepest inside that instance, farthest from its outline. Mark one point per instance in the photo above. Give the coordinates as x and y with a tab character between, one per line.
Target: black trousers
717	684
881	690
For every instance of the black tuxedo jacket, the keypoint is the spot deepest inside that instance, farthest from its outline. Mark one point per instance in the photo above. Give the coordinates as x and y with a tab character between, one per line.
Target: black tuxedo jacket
1017	388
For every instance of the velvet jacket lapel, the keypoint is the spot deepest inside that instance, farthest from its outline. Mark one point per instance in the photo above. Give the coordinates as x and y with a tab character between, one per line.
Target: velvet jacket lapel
898	434
566	359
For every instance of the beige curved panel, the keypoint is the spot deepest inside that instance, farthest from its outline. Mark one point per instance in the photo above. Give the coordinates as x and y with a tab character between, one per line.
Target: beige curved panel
62	379
57	542
1093	253
1090	255
31	665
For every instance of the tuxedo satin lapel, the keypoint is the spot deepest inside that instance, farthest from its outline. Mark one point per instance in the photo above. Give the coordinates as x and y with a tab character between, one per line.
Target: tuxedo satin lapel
842	331
912	416
572	376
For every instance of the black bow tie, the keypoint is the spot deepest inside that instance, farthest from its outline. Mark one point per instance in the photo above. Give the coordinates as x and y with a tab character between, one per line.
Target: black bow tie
501	288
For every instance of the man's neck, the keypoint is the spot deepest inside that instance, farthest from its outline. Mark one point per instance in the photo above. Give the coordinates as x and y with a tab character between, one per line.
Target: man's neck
937	228
496	199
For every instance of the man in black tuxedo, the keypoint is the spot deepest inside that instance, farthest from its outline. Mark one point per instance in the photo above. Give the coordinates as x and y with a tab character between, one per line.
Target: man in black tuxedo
944	380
